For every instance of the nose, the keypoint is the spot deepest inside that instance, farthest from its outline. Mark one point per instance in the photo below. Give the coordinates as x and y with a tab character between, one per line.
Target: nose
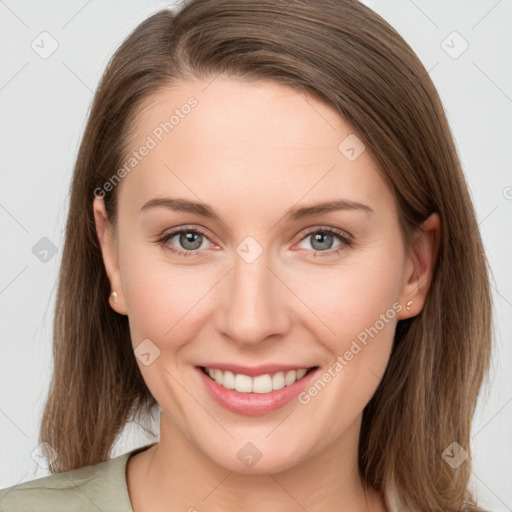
254	305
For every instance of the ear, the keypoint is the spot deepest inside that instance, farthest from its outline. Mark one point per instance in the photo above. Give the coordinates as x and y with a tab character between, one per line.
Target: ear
420	264
106	237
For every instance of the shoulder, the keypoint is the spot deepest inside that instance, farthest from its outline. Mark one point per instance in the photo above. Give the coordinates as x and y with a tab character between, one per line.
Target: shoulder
91	488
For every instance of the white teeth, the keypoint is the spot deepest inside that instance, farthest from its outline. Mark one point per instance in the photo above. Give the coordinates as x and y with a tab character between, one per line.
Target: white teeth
278	381
229	380
290	377
217	375
260	384
243	383
301	373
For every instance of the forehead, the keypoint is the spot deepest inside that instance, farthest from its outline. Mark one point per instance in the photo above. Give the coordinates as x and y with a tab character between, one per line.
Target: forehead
249	140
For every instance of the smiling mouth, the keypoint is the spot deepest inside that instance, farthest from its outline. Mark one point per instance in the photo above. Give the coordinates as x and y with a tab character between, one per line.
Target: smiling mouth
259	384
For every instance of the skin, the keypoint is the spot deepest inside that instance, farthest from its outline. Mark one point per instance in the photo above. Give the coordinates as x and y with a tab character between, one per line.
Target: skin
251	150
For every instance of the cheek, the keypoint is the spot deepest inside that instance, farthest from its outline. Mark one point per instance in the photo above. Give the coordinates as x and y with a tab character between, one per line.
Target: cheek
157	306
163	300
153	296
358	308
353	296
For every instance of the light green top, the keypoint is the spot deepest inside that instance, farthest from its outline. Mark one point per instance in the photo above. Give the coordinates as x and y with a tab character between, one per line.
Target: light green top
98	488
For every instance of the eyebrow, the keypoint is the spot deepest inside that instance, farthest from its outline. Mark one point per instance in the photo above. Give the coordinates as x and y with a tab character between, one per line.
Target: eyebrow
293	213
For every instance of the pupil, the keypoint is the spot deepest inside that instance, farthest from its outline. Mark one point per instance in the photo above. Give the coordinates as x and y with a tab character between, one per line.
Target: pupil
194	239
321	238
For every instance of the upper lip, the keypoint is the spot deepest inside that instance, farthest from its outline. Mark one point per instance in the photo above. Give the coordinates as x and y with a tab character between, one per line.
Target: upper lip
254	371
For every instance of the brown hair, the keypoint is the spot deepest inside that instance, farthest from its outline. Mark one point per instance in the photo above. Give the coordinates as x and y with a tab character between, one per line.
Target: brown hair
343	53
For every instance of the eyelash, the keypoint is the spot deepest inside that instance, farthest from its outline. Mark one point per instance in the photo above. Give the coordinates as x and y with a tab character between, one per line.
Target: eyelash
346	240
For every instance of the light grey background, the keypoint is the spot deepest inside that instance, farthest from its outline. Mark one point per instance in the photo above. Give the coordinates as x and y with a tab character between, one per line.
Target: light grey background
44	104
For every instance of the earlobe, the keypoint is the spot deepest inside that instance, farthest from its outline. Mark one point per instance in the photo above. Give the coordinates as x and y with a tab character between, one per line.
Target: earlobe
422	258
105	235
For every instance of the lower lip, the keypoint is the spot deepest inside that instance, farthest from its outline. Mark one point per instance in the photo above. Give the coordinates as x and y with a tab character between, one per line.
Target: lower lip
255	404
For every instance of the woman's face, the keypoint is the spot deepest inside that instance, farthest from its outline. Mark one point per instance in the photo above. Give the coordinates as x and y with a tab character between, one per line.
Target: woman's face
257	278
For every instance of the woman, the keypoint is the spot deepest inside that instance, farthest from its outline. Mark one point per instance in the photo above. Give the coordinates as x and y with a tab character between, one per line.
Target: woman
270	237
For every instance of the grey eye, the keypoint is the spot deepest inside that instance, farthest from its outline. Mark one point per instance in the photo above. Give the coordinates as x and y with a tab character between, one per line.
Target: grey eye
321	241
189	240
